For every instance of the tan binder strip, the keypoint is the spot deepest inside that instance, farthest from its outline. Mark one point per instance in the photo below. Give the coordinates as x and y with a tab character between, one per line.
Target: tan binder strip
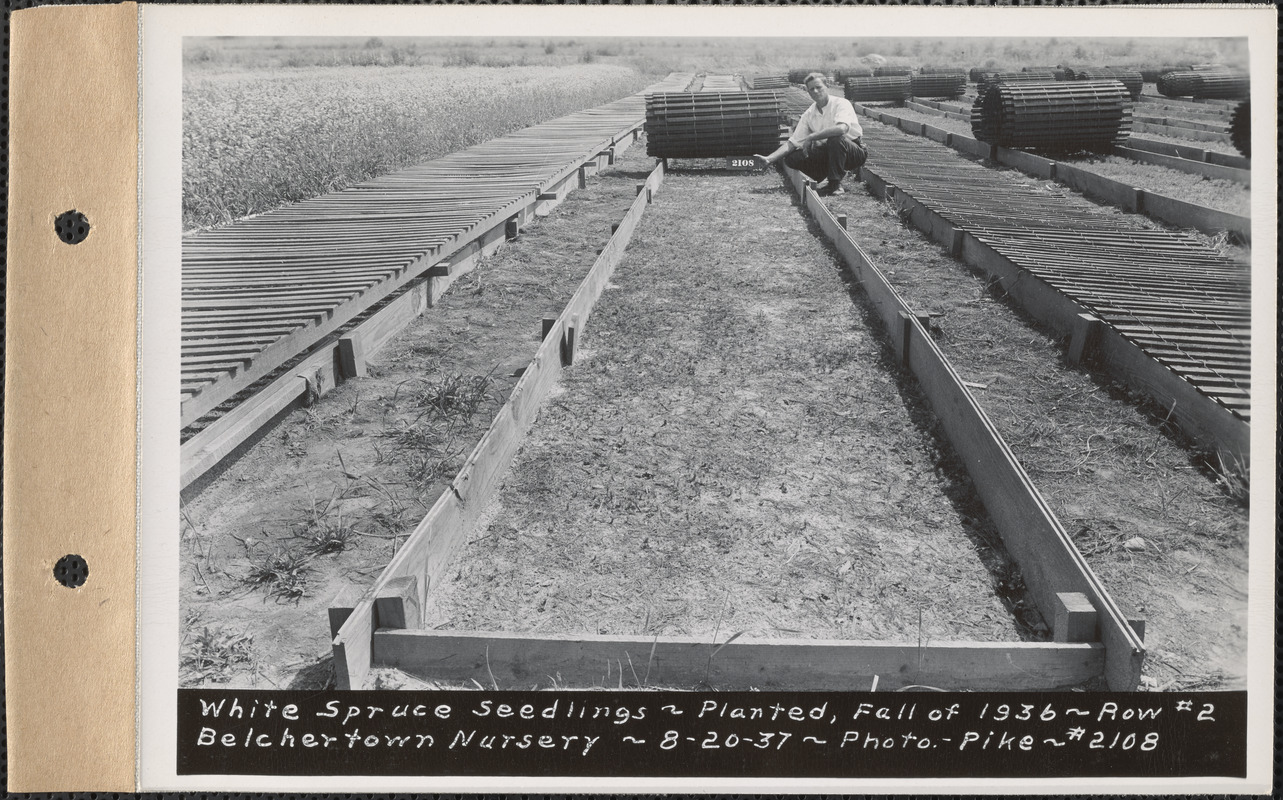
70	399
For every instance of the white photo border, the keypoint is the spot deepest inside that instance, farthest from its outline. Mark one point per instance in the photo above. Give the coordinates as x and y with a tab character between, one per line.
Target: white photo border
162	30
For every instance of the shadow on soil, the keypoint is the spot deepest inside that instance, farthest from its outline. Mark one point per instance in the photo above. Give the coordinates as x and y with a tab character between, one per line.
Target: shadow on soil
317	676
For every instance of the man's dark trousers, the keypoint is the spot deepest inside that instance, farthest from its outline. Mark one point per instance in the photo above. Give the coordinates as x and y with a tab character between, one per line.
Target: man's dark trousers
829	158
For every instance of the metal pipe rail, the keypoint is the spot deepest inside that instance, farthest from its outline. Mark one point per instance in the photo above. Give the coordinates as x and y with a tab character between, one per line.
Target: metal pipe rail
257	293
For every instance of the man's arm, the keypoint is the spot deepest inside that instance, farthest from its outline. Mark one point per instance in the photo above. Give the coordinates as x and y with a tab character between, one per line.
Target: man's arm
789	146
784	149
839	129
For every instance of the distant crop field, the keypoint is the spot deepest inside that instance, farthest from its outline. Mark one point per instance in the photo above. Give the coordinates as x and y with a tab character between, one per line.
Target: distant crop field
256	139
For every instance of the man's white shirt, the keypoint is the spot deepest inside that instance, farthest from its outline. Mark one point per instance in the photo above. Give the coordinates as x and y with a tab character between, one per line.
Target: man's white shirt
838	109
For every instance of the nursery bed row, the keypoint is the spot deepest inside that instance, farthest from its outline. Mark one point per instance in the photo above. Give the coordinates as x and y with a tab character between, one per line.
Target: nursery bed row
668	461
1177	312
260	291
322	503
1212	185
1166	535
283	344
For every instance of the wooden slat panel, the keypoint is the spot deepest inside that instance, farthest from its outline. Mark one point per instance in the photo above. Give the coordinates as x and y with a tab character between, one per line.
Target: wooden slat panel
352	248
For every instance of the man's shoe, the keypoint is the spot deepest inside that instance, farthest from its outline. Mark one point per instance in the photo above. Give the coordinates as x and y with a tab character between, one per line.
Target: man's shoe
830	189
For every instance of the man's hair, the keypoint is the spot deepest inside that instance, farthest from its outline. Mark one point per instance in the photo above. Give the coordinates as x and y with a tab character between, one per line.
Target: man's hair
820	76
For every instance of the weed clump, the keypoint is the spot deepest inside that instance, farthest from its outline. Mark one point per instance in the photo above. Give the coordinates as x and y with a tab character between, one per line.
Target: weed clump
323	529
283	572
457	393
212	654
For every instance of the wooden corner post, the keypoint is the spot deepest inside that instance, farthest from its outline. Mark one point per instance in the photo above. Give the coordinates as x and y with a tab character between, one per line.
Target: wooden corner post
397	605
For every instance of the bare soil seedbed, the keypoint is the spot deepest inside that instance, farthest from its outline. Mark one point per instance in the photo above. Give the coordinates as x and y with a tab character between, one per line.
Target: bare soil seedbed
1166	535
325	499
733	451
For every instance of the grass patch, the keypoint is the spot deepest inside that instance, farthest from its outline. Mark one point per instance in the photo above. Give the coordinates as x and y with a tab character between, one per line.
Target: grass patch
211	653
283	573
457	393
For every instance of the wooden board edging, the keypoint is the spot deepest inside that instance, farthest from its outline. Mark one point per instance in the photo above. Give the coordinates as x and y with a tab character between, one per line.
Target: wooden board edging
1187	165
1098	187
1182	133
518	660
202	452
1219	126
1028	163
428	550
1184	214
1034	536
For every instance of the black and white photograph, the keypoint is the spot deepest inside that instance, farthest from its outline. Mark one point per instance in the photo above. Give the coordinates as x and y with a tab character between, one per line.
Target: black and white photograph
600	361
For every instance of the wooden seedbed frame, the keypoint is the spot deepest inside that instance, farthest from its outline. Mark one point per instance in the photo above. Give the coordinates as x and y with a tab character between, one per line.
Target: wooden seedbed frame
1211	425
342	356
1165	209
1190	152
1183	131
1187	165
383	627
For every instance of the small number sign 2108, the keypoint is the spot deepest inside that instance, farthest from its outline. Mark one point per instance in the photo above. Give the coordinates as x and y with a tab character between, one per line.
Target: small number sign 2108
740	162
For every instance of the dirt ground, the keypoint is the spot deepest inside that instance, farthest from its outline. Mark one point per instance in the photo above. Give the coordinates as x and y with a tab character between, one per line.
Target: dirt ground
732	452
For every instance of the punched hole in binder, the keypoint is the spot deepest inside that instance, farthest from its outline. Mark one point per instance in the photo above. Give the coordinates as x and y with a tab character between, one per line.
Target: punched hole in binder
71	226
71	571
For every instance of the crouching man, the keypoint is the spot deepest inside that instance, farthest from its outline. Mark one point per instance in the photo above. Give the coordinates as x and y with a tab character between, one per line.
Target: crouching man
826	144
